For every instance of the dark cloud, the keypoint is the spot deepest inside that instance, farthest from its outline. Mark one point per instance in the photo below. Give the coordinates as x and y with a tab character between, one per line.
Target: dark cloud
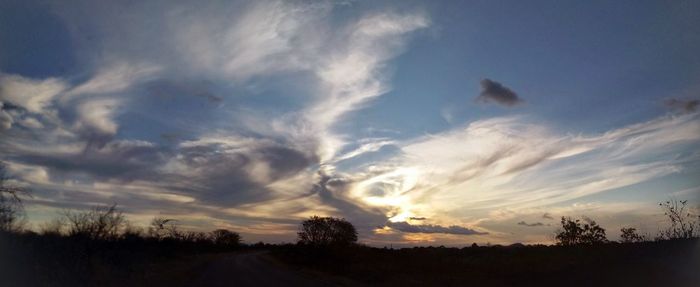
117	160
332	189
224	177
417	218
429	228
523	223
492	91
546	215
682	105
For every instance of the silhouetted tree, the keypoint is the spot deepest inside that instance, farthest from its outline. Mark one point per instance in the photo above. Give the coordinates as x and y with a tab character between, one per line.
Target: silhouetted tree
225	237
11	207
630	235
576	233
324	231
100	223
684	224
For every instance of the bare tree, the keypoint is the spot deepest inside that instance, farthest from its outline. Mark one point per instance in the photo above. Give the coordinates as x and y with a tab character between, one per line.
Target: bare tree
100	223
11	206
320	231
574	232
684	224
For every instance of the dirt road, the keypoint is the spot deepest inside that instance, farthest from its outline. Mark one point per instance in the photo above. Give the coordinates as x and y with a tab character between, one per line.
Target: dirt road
255	269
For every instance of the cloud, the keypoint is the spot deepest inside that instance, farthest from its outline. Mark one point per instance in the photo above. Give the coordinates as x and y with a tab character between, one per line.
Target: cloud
515	163
5	118
492	91
682	105
546	215
113	78
429	228
523	223
354	72
281	78
30	94
96	116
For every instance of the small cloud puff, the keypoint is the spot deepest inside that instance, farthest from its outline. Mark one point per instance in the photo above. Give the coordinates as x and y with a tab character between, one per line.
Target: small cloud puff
682	105
492	91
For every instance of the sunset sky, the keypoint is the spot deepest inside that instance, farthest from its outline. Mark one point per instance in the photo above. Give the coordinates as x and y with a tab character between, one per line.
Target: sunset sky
421	122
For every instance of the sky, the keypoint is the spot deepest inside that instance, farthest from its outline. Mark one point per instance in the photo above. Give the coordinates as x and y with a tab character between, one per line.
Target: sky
421	122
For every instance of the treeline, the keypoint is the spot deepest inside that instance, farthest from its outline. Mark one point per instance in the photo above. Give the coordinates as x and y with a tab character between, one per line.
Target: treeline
682	224
99	248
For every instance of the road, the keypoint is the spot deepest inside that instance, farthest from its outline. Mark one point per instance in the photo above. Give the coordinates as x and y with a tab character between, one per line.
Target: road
255	269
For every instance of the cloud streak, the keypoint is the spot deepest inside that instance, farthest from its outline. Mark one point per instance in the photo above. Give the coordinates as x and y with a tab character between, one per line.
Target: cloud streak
535	224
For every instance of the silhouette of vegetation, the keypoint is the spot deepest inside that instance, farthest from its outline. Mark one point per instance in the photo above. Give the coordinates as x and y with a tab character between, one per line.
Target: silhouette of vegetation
610	264
327	231
11	207
99	223
225	237
574	232
98	247
162	228
630	235
683	223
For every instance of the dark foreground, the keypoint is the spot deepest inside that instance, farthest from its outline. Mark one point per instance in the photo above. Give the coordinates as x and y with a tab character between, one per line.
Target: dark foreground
663	263
40	261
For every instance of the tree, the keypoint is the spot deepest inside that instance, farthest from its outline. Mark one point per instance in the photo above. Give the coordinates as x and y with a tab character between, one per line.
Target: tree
11	207
630	235
225	237
325	231
684	224
99	223
576	233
